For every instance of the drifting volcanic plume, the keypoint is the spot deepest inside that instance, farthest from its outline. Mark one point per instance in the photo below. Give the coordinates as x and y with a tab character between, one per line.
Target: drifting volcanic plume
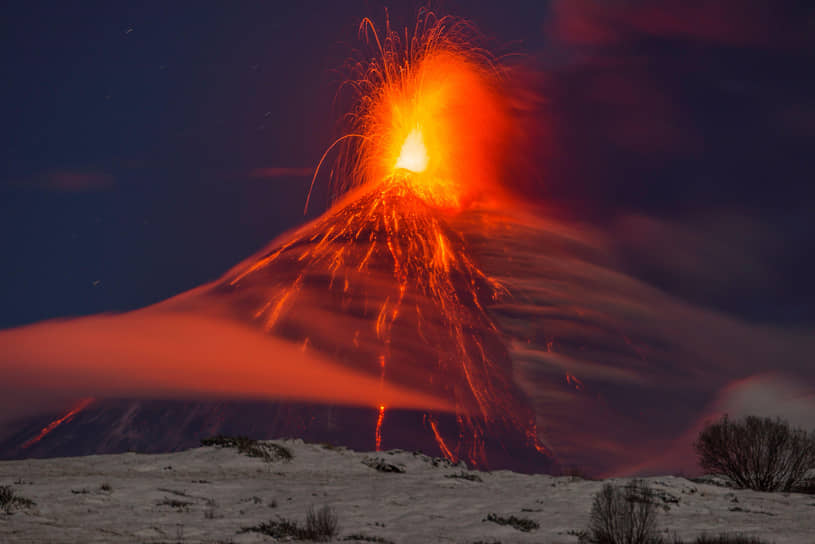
430	302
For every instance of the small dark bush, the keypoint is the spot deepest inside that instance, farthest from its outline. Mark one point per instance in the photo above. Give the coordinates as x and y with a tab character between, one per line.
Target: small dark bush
623	515
321	526
174	503
522	524
282	528
10	500
726	538
465	476
381	466
106	487
252	448
365	538
763	454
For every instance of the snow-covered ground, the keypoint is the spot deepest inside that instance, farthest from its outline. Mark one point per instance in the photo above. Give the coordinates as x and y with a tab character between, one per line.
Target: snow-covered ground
209	494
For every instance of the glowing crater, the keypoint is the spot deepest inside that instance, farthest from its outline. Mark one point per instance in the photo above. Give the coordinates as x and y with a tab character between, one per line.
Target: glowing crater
413	155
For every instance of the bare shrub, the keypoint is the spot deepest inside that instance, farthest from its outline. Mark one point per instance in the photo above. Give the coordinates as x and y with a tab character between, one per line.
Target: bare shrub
623	515
521	524
381	466
174	503
358	537
763	454
9	500
278	529
321	525
469	476
250	447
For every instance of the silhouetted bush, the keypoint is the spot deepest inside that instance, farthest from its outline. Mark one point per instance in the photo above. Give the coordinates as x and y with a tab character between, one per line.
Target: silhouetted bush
278	529
358	537
623	515
381	466
522	524
250	447
10	500
321	526
469	476
763	454
174	503
726	538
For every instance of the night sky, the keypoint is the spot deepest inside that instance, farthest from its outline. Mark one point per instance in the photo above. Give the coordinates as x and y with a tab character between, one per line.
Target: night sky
149	148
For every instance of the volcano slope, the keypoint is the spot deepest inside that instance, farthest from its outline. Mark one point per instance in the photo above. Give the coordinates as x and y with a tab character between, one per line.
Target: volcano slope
527	344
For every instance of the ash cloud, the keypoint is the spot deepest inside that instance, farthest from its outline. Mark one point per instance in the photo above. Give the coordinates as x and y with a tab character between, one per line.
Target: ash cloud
683	127
650	367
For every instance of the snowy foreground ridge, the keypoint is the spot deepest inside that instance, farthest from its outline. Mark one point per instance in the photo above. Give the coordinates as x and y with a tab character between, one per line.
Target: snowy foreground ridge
209	494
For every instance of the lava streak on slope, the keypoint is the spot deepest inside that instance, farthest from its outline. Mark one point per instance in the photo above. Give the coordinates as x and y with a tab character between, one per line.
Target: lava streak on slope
81	405
384	269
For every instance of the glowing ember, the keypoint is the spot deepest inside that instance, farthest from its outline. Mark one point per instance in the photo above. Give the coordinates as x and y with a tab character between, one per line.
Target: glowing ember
413	156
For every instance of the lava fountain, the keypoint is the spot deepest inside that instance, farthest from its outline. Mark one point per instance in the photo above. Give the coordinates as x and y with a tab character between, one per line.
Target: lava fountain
428	121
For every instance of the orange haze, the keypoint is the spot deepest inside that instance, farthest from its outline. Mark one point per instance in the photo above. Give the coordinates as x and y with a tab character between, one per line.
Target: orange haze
152	353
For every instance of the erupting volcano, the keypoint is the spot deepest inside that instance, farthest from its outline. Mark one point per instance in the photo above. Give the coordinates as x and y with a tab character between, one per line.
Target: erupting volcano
427	123
381	282
433	306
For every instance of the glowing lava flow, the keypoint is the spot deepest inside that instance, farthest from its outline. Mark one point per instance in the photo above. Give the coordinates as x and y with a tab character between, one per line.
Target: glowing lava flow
81	405
427	124
379	421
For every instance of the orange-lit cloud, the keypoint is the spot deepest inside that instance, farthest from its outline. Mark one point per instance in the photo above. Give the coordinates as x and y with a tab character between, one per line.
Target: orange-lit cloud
154	353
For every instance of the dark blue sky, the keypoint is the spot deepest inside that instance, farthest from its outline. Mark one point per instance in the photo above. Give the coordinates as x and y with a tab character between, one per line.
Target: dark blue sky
131	134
